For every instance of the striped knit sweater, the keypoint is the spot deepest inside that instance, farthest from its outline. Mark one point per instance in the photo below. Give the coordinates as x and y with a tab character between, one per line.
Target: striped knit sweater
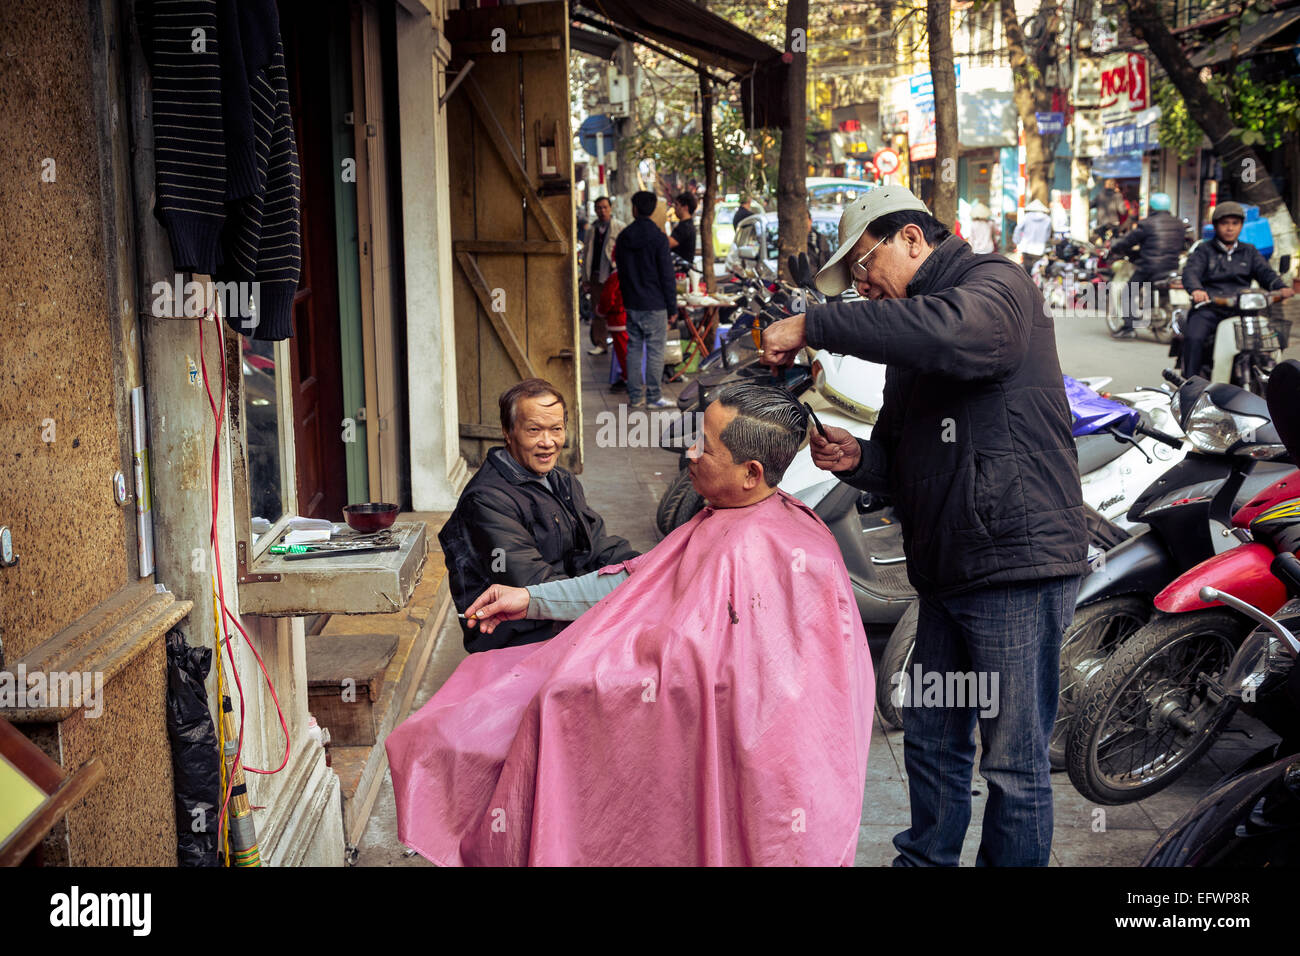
228	188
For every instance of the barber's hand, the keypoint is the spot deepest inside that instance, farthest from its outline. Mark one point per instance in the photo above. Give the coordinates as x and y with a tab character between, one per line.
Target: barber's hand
496	605
783	340
838	451
1200	295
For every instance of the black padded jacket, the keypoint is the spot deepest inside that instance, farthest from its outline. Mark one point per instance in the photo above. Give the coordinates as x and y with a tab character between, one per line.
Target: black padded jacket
973	437
508	529
1159	239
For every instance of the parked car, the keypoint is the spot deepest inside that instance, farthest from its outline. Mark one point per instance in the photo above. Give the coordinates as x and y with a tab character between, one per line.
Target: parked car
833	191
755	244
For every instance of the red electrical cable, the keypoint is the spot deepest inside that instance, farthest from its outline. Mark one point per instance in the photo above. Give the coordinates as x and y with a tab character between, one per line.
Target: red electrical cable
218	414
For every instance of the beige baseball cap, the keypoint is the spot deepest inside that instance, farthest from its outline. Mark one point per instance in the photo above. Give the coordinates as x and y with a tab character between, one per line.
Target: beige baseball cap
834	277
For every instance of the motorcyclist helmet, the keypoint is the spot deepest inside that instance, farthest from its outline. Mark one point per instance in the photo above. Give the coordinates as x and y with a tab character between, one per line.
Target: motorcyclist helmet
1224	209
1160	202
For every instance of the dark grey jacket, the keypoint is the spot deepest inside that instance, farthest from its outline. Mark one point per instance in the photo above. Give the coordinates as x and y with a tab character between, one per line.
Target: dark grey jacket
973	439
509	529
1212	269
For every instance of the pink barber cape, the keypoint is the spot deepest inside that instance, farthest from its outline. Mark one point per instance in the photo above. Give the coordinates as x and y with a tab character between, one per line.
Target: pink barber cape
714	709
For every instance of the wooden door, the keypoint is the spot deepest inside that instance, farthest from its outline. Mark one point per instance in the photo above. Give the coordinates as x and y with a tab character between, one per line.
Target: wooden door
512	216
315	350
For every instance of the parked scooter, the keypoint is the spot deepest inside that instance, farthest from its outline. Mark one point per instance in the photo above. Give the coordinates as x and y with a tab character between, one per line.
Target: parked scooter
1183	515
1251	817
1246	346
1154	708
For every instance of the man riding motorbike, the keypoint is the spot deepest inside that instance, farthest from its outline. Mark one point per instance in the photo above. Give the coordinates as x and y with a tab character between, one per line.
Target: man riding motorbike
1159	240
1221	267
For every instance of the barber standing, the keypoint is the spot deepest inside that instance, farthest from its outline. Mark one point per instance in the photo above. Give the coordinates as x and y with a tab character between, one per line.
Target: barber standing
973	444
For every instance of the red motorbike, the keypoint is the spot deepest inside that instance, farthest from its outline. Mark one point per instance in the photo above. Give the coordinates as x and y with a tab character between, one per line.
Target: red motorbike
1157	705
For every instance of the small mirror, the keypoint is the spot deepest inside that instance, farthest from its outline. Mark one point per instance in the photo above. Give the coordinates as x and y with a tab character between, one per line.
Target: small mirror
1284	264
262	431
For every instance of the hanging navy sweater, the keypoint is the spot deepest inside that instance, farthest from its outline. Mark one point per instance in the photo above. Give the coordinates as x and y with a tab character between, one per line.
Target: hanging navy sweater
225	155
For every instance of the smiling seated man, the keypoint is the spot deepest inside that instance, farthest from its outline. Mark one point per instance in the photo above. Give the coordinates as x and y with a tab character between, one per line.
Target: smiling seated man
524	519
710	705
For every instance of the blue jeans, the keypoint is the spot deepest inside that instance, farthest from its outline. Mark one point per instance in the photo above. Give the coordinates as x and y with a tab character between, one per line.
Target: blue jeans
647	333
1011	632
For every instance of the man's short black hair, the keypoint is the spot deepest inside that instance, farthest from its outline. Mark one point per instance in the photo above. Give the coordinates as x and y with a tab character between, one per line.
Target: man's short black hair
643	203
688	200
769	427
600	199
887	226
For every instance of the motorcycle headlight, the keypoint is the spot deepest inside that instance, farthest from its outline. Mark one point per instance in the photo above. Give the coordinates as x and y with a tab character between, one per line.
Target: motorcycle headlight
1214	430
1252	301
1176	406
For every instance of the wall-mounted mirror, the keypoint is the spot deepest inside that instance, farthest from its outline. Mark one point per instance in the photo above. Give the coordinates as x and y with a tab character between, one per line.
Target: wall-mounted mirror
262	371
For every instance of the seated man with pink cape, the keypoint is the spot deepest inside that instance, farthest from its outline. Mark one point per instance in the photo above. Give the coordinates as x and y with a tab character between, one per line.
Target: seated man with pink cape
711	705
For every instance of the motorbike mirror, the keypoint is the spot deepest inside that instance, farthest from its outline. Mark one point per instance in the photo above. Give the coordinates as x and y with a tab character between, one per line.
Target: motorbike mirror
1284	264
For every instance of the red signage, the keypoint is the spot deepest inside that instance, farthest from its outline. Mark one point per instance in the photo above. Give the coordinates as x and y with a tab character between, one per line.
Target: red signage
886	161
1123	85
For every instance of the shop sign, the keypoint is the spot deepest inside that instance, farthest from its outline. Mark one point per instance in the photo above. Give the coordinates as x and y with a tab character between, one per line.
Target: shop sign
1050	123
1123	86
921	85
886	162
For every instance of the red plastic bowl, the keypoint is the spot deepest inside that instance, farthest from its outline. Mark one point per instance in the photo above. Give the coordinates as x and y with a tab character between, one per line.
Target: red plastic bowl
370	517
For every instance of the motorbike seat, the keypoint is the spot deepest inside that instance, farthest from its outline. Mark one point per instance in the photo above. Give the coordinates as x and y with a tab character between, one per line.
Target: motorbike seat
1097	450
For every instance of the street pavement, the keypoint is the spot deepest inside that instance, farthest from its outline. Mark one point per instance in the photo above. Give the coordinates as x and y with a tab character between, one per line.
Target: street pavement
624	486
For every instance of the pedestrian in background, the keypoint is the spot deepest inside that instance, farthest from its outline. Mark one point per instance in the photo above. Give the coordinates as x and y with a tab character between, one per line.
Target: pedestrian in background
682	239
1032	233
649	288
610	309
983	234
596	265
1110	210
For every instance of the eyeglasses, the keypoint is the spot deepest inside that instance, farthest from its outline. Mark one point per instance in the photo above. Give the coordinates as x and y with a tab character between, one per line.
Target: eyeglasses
859	270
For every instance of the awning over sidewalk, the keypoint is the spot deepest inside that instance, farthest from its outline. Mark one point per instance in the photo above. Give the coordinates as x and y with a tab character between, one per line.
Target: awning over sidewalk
716	45
1252	36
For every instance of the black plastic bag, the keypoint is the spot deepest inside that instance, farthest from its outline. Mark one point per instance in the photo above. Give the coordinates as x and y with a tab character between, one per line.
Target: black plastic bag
194	752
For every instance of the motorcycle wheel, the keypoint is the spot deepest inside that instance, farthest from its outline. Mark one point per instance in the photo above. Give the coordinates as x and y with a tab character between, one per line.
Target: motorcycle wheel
1147	716
1087	644
1162	326
679	504
896	659
1114	321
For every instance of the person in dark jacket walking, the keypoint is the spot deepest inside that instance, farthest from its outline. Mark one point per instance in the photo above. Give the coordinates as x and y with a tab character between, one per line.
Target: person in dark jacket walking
973	444
1159	240
523	519
1222	267
649	287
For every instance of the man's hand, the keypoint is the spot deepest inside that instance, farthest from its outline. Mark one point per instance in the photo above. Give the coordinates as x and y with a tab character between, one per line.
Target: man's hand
496	605
838	451
1200	295
1285	293
783	340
